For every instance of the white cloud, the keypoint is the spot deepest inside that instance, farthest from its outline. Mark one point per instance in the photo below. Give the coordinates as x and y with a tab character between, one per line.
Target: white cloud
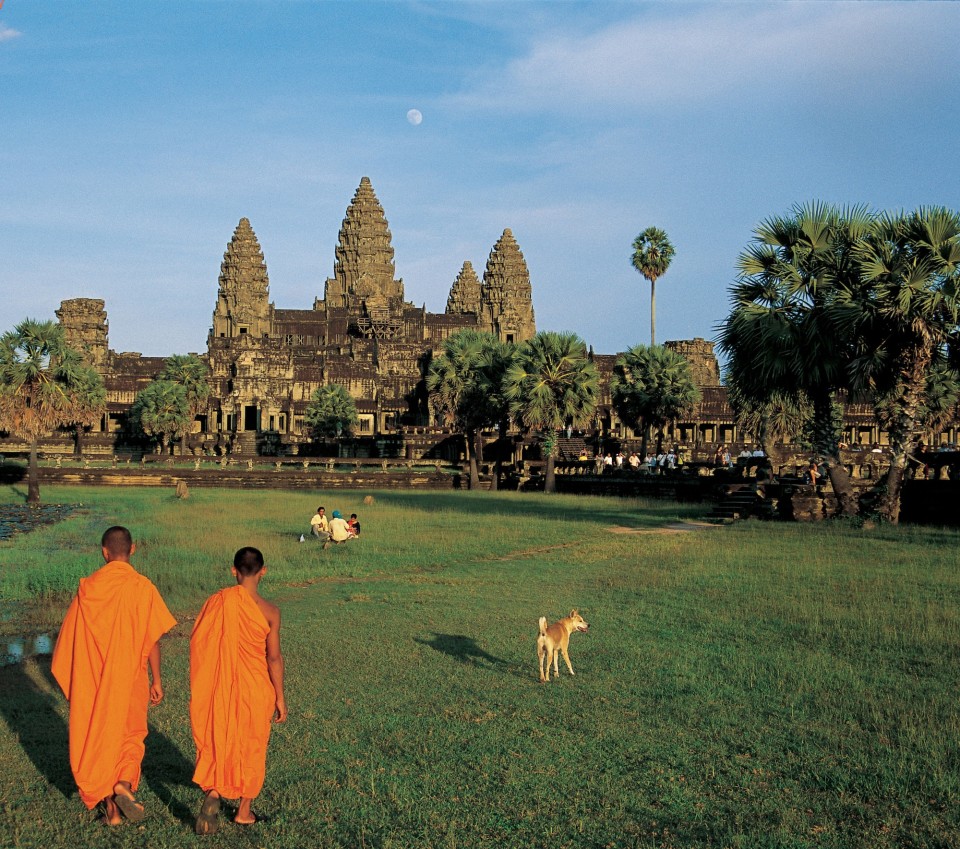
692	55
6	33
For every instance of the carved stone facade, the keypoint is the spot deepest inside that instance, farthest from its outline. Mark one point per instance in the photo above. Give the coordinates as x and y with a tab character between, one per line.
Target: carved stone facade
265	363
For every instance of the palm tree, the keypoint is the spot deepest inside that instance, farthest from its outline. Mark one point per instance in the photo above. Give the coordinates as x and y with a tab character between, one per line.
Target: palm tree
191	373
792	330
495	359
910	270
90	400
653	385
460	392
39	380
162	410
331	412
552	381
652	254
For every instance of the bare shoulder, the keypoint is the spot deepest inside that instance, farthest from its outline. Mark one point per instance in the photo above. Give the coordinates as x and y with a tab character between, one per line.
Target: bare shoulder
270	612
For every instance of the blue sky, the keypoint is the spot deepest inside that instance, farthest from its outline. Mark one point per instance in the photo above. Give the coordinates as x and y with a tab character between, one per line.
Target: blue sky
135	135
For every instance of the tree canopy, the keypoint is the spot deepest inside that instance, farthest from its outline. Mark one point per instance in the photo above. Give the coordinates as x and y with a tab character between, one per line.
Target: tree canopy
550	383
162	410
652	385
834	303
465	382
331	411
44	385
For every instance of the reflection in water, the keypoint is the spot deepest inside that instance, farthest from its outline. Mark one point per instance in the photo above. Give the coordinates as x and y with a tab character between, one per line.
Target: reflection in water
19	649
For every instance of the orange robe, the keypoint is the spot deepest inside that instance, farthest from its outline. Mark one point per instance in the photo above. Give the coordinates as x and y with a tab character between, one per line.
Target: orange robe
232	699
100	662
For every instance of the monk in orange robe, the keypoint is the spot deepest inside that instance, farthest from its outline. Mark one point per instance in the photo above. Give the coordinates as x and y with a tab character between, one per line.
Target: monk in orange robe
236	688
107	640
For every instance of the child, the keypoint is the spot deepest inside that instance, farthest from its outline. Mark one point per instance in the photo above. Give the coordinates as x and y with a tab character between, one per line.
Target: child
108	638
236	688
353	525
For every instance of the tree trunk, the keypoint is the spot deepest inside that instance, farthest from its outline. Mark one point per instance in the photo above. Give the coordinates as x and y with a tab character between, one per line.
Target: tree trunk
653	313
825	444
904	430
550	478
33	475
78	441
473	476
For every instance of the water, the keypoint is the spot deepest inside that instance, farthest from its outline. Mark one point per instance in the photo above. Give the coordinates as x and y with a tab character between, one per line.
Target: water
19	649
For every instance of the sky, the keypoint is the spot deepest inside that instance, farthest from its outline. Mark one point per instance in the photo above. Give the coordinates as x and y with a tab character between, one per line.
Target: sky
135	135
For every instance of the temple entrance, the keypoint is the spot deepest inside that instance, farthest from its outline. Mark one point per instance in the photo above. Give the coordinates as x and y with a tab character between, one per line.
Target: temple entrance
250	418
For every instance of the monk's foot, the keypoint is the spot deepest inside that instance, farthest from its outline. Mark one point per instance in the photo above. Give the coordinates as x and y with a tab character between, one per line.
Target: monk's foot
111	813
123	798
253	819
207	821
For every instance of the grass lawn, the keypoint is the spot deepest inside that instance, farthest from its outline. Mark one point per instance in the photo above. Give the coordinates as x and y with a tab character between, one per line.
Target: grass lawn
754	685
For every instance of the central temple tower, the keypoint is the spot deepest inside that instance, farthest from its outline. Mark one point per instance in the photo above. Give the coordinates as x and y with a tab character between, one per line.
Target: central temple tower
363	279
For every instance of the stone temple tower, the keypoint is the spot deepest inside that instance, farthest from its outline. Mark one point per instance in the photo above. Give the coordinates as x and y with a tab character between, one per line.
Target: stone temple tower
243	306
506	295
363	279
464	295
84	323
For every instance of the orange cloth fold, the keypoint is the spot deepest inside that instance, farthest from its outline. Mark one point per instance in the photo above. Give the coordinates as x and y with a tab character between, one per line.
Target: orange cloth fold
232	699
100	663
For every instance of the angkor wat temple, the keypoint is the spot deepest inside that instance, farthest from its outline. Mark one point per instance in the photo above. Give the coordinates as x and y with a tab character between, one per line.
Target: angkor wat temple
265	362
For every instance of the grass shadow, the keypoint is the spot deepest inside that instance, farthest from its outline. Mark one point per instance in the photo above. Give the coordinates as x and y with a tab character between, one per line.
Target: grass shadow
166	768
461	648
30	711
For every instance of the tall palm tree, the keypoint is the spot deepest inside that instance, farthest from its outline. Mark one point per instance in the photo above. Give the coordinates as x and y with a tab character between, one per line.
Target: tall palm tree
794	321
652	254
552	381
910	270
652	385
458	392
39	379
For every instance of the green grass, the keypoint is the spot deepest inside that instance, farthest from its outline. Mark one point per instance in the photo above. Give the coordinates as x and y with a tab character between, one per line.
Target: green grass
757	685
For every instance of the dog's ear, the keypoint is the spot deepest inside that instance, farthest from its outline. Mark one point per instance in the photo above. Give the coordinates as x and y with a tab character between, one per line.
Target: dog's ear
573	612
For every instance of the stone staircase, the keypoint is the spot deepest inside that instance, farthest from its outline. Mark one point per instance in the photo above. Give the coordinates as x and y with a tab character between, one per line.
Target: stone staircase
741	502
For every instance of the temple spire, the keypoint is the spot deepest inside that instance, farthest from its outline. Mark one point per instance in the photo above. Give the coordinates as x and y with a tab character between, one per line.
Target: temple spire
243	299
464	294
363	267
506	293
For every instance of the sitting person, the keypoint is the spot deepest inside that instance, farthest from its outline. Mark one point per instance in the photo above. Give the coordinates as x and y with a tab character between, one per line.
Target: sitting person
353	525
319	526
339	530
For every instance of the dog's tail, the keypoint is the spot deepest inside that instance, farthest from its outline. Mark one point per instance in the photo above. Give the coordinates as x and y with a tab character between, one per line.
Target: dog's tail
543	626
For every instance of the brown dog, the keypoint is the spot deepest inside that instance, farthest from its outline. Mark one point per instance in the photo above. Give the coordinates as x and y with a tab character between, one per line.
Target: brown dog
554	640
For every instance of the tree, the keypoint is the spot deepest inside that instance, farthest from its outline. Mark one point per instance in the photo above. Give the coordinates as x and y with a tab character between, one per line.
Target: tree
652	385
464	382
910	272
40	377
552	381
331	412
190	372
90	401
652	254
791	333
162	410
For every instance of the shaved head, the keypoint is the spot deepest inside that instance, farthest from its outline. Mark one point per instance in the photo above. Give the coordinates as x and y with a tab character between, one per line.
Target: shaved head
117	542
248	561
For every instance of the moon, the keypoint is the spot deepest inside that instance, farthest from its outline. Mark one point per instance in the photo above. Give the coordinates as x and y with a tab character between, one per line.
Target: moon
414	116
